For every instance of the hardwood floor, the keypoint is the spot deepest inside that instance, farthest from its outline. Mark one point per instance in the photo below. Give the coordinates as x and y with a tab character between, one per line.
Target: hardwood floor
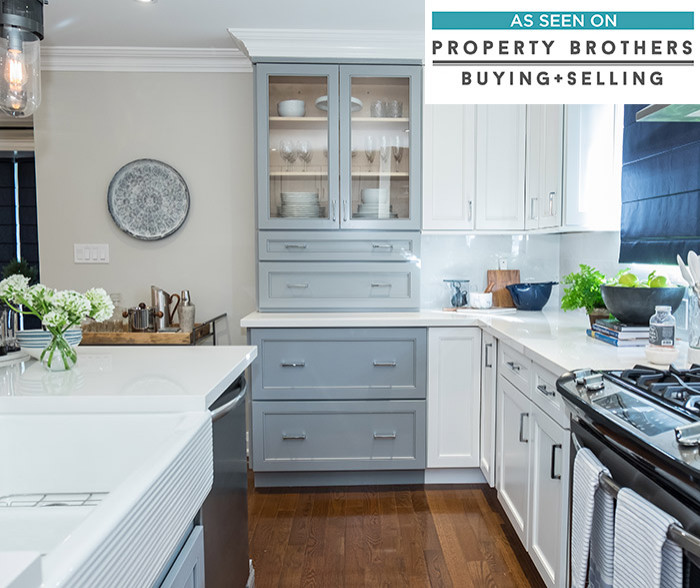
384	536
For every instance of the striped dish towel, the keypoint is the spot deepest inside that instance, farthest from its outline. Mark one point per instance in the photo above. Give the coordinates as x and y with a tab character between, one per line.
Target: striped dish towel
591	516
644	557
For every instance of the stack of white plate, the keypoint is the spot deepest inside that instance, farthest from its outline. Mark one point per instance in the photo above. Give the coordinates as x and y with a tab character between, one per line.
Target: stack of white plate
375	203
299	205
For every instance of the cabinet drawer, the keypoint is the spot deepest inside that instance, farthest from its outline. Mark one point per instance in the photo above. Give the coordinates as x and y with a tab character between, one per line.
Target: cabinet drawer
545	395
339	364
371	435
515	367
326	286
337	246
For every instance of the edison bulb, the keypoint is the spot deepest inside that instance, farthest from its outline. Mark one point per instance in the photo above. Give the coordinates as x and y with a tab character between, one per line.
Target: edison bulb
20	89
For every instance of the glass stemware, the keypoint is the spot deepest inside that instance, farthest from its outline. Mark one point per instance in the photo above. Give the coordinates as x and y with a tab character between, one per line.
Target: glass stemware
303	149
397	151
384	149
370	150
288	152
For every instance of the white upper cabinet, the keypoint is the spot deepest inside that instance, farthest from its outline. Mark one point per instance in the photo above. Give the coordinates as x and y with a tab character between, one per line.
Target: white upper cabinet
543	176
500	167
592	166
449	167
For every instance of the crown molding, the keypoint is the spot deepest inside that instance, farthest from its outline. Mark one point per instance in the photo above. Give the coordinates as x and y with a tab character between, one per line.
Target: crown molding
260	44
144	59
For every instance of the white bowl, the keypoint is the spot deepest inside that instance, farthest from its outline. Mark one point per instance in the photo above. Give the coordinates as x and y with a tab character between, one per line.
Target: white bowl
480	299
291	108
375	195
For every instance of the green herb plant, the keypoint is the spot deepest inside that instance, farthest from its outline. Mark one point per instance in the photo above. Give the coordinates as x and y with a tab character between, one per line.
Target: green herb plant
22	268
582	289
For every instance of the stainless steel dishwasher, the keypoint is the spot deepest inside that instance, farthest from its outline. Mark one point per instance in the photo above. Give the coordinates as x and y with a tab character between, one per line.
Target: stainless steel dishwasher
225	512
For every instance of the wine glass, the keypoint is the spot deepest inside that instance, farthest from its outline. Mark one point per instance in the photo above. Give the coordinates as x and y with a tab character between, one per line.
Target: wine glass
384	149
288	152
397	151
303	149
370	149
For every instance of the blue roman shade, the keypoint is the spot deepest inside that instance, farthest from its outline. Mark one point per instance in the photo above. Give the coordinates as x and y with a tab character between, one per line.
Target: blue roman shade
660	189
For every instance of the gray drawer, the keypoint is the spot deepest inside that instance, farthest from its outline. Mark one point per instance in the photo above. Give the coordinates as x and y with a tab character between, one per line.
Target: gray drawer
341	286
337	246
313	436
339	364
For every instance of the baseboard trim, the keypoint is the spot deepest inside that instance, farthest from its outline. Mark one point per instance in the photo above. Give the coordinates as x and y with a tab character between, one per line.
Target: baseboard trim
319	479
454	476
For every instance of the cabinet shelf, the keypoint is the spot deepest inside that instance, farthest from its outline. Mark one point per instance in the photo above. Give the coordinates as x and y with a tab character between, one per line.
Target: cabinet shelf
376	119
296	122
372	174
297	174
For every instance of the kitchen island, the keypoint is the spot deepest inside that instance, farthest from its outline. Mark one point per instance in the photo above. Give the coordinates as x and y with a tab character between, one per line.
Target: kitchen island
121	448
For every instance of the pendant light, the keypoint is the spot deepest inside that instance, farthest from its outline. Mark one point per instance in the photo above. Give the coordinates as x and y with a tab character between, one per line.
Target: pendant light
21	30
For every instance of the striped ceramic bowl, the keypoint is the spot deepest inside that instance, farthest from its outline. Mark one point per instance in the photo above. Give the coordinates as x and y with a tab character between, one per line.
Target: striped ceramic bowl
34	341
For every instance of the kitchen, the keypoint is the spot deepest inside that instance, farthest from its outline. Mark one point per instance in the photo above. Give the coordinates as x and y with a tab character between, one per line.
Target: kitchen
126	105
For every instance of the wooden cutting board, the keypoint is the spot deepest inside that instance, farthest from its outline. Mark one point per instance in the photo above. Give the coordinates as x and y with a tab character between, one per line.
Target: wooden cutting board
501	279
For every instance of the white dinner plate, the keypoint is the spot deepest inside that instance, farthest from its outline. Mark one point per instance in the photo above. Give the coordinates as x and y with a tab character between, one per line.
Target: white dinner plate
322	104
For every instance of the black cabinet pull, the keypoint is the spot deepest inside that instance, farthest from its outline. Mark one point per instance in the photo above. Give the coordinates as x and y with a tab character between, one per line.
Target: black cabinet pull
543	388
487	363
520	434
551	473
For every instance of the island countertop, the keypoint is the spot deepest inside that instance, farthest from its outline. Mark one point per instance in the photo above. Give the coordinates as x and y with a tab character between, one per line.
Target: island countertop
125	379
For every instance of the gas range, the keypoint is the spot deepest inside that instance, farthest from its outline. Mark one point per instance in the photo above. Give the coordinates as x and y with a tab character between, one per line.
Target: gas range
657	410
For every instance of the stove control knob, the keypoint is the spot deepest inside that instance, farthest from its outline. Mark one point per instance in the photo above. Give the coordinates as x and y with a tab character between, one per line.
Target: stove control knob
594	382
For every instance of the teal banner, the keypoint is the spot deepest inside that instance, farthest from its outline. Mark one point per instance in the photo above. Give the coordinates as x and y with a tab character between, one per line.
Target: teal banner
563	20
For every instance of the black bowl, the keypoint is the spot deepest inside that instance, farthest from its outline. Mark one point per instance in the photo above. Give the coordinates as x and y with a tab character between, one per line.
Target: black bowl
530	295
635	306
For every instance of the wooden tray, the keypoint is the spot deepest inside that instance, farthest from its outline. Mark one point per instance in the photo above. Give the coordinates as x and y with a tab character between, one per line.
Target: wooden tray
137	338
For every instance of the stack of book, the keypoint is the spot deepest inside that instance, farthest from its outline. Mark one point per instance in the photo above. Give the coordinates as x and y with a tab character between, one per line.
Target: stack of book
619	334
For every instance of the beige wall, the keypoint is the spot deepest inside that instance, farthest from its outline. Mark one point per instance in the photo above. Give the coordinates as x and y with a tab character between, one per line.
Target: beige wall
92	123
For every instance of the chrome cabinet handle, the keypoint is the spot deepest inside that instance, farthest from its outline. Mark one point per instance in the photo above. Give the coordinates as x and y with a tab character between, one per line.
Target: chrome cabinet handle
385	435
345	211
301	286
543	388
295	245
533	208
293	437
469	217
376	363
551	203
514	366
334	212
551	472
388	246
380	285
520	434
487	363
293	364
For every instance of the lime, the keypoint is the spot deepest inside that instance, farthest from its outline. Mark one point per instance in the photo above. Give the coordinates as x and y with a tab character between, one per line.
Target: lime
659	282
628	280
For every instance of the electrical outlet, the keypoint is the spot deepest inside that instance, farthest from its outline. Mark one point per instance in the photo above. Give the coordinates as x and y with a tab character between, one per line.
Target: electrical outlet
502	263
90	253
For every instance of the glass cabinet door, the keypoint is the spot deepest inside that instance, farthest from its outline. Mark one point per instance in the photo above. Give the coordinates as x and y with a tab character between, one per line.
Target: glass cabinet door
297	114
379	147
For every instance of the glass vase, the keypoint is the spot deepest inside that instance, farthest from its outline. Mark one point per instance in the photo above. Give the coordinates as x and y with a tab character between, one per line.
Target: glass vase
58	355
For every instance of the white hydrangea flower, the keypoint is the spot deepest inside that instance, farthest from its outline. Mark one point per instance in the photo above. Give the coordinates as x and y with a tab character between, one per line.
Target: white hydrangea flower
55	319
38	294
14	288
74	304
101	305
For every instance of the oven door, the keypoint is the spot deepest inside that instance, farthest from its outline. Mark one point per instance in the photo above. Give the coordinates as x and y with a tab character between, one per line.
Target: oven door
631	469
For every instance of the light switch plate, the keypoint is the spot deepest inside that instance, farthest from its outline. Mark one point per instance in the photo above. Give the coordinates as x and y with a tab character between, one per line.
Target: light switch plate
502	263
90	252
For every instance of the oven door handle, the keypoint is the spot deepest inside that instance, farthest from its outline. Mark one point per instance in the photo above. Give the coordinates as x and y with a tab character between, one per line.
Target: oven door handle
222	411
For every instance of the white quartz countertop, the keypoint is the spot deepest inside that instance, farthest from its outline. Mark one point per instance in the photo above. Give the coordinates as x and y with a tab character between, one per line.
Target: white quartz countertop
126	379
554	339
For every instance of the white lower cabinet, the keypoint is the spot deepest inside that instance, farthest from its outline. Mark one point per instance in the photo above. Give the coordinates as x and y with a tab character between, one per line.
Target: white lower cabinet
549	466
513	479
188	569
487	460
454	356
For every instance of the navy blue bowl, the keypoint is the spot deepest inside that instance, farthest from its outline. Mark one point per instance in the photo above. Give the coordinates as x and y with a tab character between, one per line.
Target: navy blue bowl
531	295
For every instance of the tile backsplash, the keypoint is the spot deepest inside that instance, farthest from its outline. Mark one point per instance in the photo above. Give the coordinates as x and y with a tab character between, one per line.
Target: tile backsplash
469	256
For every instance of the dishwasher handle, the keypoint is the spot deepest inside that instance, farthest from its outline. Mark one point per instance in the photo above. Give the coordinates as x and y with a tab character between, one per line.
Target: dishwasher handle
222	411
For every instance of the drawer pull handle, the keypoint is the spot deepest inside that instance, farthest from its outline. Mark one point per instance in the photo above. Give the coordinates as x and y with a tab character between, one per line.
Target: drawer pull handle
295	245
520	434
376	363
380	285
551	472
297	437
514	366
388	246
543	388
293	364
487	363
385	435
301	286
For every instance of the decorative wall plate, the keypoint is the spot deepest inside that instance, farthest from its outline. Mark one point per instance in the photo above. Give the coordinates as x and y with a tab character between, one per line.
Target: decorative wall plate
148	199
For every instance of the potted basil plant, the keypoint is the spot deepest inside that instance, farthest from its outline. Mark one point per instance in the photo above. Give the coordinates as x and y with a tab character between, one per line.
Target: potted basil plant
582	290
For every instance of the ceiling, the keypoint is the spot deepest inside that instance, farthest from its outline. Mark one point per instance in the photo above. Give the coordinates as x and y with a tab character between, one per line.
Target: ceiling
204	23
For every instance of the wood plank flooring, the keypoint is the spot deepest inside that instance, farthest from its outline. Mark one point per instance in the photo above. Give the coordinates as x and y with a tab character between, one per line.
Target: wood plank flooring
384	536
